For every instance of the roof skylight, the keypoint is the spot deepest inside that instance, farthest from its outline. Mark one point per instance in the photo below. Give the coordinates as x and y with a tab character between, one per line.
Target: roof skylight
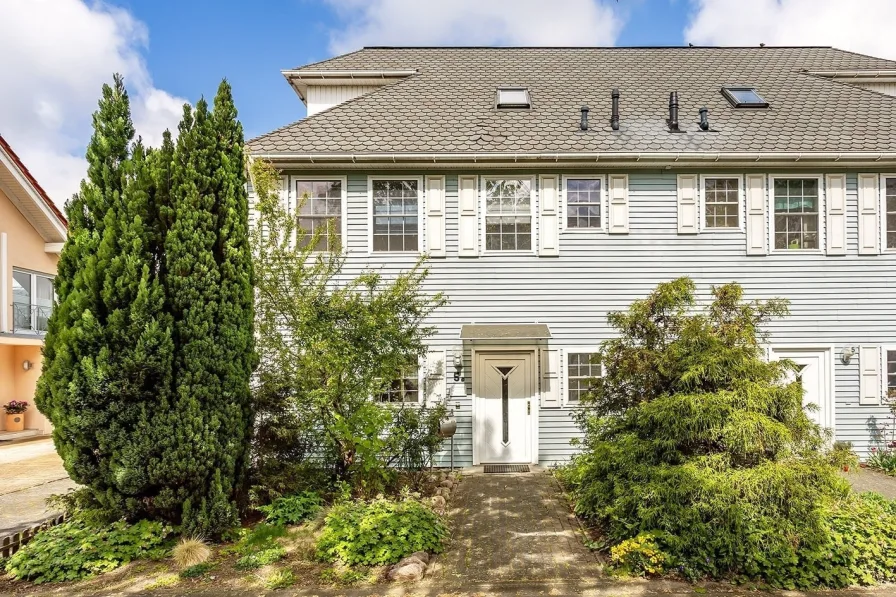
513	97
744	97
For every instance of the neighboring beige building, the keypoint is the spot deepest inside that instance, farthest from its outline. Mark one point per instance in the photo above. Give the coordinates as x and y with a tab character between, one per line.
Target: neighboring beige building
32	230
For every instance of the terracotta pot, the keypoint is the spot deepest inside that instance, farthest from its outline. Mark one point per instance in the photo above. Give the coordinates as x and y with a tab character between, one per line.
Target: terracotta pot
15	422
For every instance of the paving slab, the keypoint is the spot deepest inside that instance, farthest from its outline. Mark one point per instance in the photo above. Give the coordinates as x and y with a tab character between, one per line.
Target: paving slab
863	479
30	472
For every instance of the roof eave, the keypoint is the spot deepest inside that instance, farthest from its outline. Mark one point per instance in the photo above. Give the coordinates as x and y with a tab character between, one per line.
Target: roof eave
581	158
300	79
25	180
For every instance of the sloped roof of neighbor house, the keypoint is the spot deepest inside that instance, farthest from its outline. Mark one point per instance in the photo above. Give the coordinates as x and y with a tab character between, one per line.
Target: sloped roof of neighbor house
448	106
29	197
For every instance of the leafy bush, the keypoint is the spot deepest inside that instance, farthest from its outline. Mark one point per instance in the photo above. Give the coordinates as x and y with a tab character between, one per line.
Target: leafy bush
693	437
74	550
260	558
883	460
639	556
842	456
381	531
292	509
262	535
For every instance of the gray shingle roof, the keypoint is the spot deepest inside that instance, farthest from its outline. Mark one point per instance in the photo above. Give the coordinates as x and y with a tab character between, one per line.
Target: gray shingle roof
448	107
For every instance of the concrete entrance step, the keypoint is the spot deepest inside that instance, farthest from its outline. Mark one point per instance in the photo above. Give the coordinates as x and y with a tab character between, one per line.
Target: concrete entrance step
6	436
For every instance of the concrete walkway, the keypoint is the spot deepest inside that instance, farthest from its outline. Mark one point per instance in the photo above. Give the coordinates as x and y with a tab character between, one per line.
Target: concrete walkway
30	472
863	479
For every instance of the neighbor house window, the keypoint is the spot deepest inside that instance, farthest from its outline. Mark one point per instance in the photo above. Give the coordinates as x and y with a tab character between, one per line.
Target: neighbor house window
396	215
796	221
583	202
890	215
32	301
721	202
891	372
580	369
508	215
320	209
404	388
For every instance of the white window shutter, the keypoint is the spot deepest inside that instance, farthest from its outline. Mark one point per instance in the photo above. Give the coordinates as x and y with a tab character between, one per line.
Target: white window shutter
285	196
687	204
549	216
435	216
835	197
869	373
468	221
435	377
757	231
869	218
550	378
618	187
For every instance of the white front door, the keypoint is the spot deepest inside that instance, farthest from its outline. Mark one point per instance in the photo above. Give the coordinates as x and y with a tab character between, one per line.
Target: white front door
502	423
815	376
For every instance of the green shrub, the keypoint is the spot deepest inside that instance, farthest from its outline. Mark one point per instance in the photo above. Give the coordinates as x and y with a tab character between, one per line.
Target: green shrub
639	556
260	558
280	579
381	531
262	535
74	550
197	570
292	509
842	456
883	460
694	438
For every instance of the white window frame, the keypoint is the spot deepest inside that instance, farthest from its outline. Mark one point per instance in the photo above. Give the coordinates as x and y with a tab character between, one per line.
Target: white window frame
421	214
533	205
421	391
32	295
603	203
741	204
884	371
770	210
882	210
565	402
293	199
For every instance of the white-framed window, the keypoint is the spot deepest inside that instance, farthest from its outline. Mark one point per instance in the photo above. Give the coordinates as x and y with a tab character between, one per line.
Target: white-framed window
395	213
405	387
580	370
583	203
509	214
888	190
32	300
721	198
319	202
889	376
796	208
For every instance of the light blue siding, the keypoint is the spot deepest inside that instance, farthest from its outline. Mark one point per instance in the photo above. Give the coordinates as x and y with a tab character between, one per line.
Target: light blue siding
837	301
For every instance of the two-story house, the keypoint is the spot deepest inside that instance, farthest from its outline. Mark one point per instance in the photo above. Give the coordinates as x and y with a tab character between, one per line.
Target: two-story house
32	232
551	186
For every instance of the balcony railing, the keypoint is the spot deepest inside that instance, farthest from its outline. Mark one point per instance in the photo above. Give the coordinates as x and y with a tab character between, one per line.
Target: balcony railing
30	319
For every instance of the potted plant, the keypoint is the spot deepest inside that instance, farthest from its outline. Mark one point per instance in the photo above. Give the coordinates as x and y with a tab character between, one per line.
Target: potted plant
15	415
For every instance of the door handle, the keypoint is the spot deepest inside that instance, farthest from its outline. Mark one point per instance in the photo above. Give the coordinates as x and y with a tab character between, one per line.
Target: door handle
528	407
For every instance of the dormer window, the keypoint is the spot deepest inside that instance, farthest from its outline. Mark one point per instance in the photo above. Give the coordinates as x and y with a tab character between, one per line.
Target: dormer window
513	97
744	97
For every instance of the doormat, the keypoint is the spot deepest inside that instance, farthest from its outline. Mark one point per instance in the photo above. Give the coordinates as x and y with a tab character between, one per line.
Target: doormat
506	468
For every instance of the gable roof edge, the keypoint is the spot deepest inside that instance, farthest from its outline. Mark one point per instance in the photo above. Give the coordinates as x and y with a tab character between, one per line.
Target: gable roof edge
33	190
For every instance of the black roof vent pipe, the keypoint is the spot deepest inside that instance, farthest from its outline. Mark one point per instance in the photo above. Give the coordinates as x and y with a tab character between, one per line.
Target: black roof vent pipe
673	112
704	119
614	117
584	124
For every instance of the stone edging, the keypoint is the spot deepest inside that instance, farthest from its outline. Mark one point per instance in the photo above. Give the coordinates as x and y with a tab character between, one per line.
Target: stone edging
13	542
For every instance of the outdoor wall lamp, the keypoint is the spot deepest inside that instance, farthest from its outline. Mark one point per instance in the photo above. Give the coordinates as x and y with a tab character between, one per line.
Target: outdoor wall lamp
458	365
27	365
847	354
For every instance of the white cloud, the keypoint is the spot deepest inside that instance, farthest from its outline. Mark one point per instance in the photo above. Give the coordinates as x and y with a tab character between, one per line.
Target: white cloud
56	56
864	26
474	22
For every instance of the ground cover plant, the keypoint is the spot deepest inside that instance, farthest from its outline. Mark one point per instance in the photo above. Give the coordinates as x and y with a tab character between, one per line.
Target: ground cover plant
698	457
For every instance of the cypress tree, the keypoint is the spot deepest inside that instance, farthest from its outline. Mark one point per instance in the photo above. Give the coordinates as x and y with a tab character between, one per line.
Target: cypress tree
107	354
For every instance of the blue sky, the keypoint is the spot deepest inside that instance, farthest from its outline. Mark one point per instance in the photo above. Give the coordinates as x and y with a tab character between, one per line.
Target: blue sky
58	53
251	46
